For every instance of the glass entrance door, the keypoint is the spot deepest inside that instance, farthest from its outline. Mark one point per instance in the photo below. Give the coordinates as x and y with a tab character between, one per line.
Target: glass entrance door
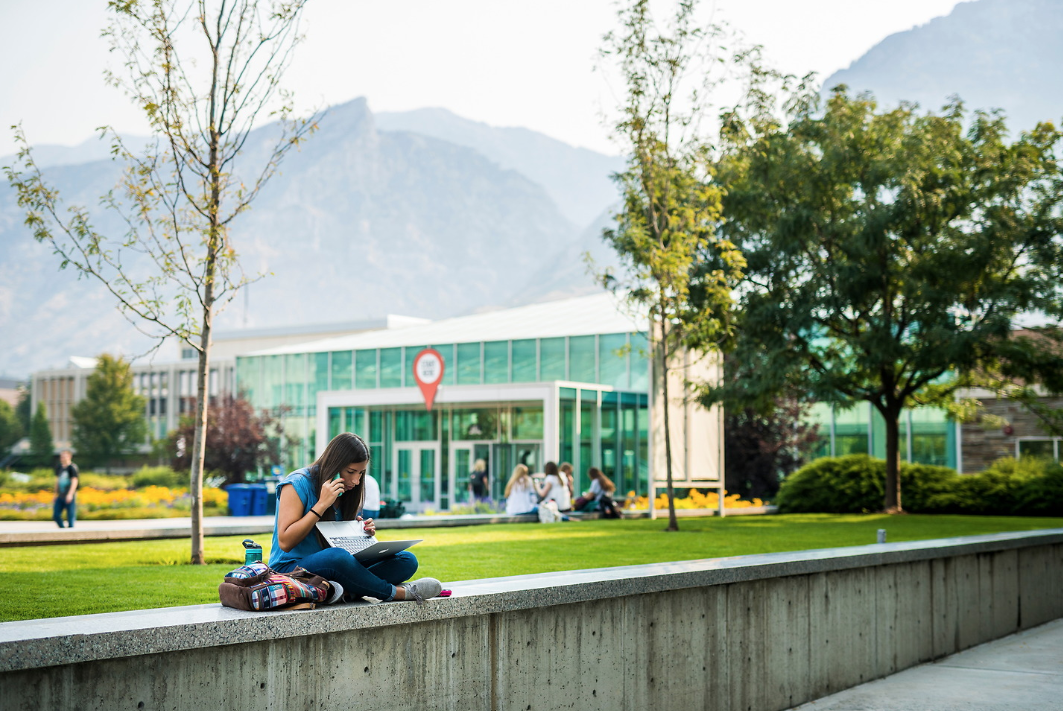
417	480
461	461
508	456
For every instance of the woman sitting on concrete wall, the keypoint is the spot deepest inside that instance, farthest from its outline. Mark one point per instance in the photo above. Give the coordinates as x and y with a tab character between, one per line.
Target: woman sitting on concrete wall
332	488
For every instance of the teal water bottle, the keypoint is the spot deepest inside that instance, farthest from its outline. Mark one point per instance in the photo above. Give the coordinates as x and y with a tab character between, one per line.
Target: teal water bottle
252	552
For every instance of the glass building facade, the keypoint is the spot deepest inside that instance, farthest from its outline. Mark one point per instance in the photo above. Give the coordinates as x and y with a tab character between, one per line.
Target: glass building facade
581	399
927	435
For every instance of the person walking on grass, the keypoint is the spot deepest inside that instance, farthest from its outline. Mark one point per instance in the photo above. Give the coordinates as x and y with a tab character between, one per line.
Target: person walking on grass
66	486
333	489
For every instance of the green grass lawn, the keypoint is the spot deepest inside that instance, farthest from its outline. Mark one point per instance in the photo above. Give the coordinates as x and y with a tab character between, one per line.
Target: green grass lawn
52	581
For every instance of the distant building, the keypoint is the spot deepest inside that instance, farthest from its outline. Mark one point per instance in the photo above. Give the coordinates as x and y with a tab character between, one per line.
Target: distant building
169	386
9	390
565	380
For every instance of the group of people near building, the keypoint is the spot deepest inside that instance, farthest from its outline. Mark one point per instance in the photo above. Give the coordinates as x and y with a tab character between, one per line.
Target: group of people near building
524	495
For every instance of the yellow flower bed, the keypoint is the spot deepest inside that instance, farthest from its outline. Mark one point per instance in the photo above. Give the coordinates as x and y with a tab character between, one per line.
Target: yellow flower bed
91	499
694	500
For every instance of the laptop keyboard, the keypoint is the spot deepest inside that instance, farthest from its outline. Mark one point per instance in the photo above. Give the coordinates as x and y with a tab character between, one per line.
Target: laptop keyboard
353	544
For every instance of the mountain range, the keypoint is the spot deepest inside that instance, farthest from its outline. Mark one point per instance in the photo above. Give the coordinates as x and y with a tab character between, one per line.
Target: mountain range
421	213
426	213
993	54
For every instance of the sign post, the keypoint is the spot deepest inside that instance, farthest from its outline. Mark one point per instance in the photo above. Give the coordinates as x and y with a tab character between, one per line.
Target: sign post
428	372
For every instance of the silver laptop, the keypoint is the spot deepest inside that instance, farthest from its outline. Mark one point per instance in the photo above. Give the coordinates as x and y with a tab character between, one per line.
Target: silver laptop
350	536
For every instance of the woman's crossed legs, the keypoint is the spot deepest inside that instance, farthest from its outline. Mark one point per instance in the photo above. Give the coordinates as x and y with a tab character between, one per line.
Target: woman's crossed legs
375	580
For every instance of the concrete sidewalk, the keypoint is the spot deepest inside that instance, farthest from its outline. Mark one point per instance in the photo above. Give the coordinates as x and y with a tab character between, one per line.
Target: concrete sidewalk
1023	672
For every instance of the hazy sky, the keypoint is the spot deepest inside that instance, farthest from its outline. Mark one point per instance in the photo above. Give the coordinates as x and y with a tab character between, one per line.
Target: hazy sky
503	62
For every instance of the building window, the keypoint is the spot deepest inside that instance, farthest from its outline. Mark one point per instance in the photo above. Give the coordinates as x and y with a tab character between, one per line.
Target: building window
365	369
581	359
475	424
612	360
188	353
1041	447
524	365
528	422
469	364
415	426
391	367
552	359
447	351
341	370
411	355
496	362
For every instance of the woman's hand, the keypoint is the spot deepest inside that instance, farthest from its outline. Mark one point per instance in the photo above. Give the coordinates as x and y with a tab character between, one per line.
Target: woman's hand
330	491
369	525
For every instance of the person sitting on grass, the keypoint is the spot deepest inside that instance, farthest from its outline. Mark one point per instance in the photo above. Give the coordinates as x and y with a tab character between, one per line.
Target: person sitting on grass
314	493
600	495
555	489
520	493
565	470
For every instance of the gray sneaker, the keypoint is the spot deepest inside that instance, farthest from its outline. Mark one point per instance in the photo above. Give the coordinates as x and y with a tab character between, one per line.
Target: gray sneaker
421	590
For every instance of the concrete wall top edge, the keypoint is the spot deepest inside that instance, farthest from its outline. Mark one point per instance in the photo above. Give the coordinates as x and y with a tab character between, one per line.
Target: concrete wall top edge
50	642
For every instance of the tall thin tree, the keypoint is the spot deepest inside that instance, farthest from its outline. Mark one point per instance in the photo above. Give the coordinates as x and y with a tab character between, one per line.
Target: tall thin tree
206	73
677	269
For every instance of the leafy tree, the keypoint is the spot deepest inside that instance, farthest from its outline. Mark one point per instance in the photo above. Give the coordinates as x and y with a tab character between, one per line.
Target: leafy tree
205	72
109	421
665	227
24	406
760	448
42	448
1029	368
889	251
10	427
238	440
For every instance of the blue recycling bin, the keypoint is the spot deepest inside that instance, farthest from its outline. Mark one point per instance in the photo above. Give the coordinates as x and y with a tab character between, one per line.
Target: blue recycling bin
259	499
271	496
240	499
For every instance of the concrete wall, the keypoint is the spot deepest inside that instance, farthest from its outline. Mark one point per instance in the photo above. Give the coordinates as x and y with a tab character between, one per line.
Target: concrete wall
754	633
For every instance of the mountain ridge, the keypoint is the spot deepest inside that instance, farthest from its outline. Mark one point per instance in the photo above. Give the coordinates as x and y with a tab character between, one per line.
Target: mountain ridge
359	222
991	53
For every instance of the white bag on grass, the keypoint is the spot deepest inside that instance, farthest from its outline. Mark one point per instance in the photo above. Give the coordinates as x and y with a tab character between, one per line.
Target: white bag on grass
548	512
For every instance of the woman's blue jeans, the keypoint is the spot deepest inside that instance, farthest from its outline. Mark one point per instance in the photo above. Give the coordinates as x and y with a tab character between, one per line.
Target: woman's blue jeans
59	505
375	580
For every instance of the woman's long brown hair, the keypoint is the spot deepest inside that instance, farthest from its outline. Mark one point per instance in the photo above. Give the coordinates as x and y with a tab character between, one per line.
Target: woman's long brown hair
345	449
607	484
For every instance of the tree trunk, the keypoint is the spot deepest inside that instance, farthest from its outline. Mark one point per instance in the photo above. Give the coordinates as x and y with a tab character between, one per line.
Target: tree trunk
199	442
673	524
892	502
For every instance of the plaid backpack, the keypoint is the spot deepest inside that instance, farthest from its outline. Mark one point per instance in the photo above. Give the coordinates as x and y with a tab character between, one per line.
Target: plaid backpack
257	587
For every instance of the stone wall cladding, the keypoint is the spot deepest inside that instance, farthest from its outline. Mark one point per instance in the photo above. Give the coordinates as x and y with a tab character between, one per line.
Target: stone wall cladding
982	447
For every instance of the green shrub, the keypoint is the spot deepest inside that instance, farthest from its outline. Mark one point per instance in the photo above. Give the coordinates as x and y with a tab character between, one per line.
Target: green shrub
39	479
1010	487
834	485
104	482
856	483
159	476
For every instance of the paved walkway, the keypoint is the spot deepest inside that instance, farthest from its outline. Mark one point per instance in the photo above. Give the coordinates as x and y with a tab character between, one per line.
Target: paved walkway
32	533
1023	672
